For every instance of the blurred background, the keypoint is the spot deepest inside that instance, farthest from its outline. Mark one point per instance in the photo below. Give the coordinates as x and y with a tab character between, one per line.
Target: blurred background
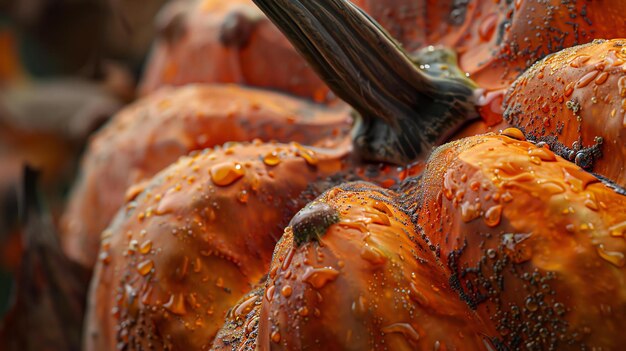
65	67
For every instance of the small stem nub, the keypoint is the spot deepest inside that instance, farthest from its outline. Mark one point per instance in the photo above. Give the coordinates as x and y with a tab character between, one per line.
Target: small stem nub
312	222
404	111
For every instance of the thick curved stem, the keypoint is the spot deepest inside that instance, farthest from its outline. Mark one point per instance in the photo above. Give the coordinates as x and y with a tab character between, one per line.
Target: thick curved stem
404	111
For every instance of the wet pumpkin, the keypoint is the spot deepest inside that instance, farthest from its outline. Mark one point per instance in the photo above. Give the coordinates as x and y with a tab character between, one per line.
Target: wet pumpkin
500	243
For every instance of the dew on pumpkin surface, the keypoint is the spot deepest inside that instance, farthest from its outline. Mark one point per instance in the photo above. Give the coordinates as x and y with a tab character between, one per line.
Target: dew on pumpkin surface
319	277
514	133
275	336
373	255
618	230
379	218
405	329
586	79
601	78
303	311
269	293
145	267
621	86
286	291
356	224
470	211
271	159
243	196
543	153
308	155
578	179
579	61
614	257
493	215
245	307
176	304
145	247
148	297
224	174
531	304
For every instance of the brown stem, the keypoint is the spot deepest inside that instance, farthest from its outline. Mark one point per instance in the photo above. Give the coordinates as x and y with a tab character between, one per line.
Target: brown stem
404	111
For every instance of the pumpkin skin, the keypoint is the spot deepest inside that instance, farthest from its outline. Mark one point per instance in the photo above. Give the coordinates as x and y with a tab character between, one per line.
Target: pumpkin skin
474	250
369	275
150	134
575	100
414	210
534	243
497	40
218	225
215	216
213	41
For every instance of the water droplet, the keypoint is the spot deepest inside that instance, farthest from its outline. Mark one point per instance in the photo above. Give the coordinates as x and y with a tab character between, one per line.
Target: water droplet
491	253
618	229
470	211
243	196
379	218
271	159
145	267
269	293
579	61
405	329
224	174
531	304
559	308
145	247
303	311
586	79
105	257
591	204
176	304
543	153
245	307
318	277
613	257
286	291
275	336
307	154
602	77
134	190
514	133
492	216
578	179
621	86
373	255
569	89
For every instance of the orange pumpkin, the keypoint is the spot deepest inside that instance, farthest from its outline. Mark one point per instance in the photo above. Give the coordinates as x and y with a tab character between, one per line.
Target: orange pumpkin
500	244
150	134
213	41
575	101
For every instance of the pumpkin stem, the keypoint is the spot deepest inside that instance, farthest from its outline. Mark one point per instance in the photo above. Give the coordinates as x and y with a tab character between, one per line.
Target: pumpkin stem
404	111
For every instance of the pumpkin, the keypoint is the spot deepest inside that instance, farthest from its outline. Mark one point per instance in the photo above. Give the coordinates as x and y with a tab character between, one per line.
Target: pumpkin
448	260
212	41
575	102
153	132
